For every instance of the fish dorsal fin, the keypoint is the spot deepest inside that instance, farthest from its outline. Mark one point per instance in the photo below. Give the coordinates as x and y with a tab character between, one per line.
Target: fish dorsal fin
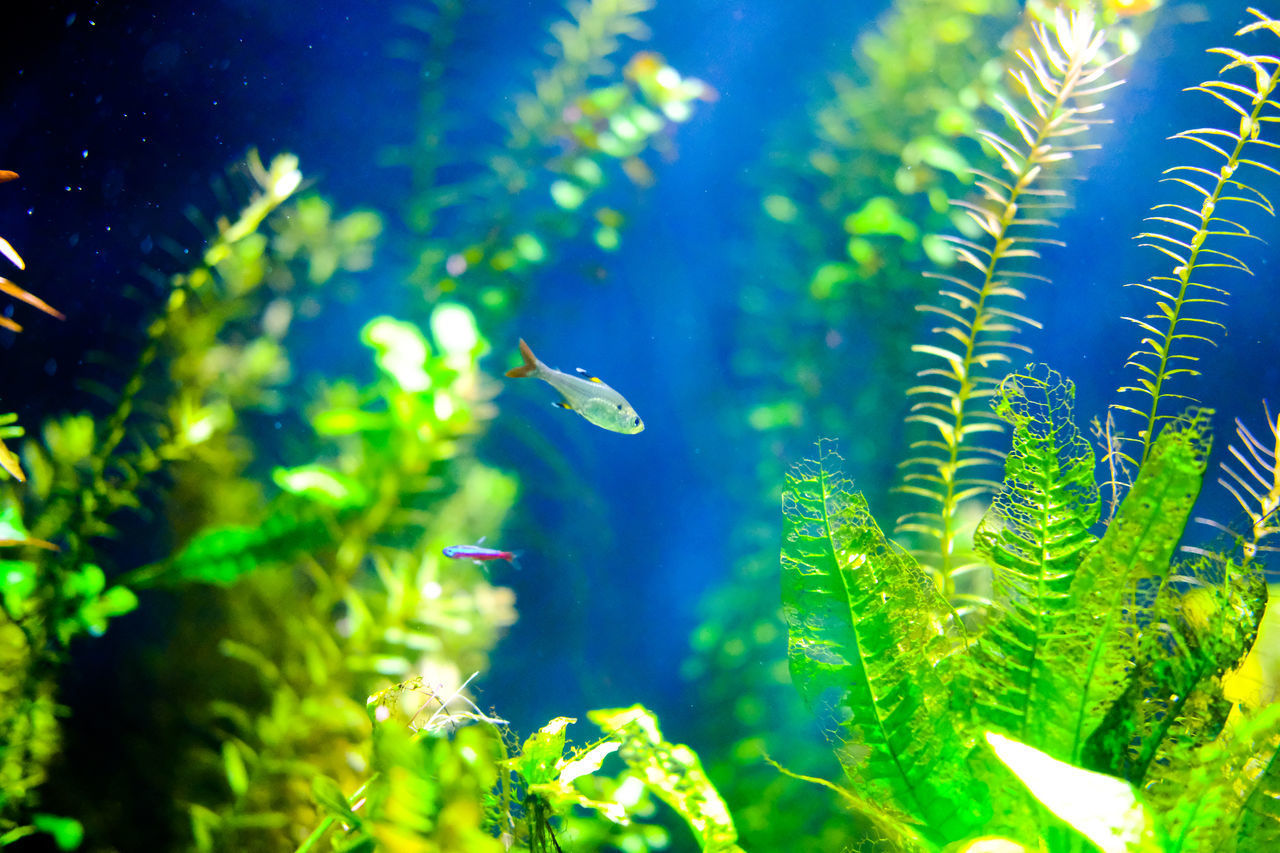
588	376
480	541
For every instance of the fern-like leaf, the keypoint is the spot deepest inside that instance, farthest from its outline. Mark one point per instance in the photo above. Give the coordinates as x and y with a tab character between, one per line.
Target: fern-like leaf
862	619
1196	237
1254	482
1035	535
1061	80
1099	643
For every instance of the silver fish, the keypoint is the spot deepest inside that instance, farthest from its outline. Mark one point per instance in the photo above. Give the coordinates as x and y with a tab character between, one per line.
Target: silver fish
584	394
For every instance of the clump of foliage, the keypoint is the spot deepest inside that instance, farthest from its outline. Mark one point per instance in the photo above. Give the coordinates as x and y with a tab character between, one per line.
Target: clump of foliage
424	767
490	224
1089	697
306	586
86	477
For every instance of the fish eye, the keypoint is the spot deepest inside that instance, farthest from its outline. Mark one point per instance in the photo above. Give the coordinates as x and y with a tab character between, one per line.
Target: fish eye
619	407
636	422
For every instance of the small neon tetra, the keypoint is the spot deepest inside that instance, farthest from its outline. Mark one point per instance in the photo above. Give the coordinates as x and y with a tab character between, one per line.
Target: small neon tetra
584	394
479	554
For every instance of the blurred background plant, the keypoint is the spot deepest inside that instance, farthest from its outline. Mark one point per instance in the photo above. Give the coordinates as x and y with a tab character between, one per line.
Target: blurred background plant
292	566
489	218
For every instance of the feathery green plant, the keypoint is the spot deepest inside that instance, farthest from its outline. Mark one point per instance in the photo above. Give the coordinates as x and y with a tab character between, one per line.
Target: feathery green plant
1260	482
1195	238
1035	535
852	203
1064	74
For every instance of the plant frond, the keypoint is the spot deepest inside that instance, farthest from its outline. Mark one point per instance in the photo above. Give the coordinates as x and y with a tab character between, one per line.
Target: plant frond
1034	536
863	619
1061	76
1203	620
1197	248
1136	550
1254	481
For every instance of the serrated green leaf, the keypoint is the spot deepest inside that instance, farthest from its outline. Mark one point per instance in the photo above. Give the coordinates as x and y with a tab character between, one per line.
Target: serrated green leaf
542	751
1034	535
862	617
1100	642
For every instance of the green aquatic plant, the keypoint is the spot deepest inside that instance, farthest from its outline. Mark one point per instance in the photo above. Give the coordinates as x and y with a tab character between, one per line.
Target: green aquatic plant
1061	80
850	211
1083	661
85	476
1260	482
1195	236
1092	698
353	545
446	778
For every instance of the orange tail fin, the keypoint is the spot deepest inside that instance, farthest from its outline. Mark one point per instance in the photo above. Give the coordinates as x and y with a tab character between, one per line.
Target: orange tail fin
530	365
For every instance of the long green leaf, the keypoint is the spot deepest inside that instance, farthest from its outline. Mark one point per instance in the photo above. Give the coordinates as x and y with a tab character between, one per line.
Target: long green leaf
1225	792
1034	536
1203	621
220	555
864	621
1101	642
1102	808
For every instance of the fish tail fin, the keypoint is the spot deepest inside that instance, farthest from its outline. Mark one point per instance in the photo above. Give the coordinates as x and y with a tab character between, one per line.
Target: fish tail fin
530	366
514	559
